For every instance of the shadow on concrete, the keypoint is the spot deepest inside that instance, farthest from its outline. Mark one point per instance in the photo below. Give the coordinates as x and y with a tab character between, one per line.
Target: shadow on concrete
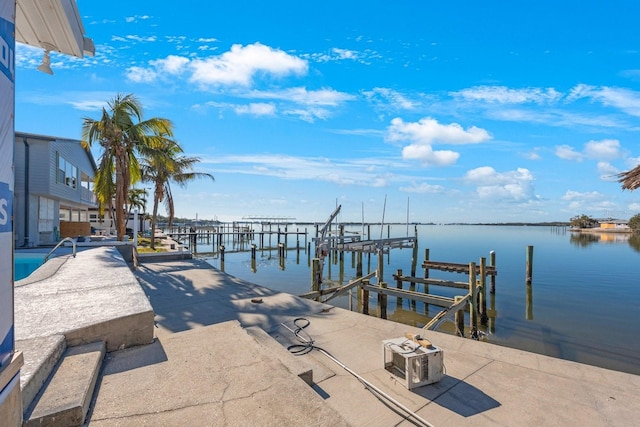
134	358
187	294
458	396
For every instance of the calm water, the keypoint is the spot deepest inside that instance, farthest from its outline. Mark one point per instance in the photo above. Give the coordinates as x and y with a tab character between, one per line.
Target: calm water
585	294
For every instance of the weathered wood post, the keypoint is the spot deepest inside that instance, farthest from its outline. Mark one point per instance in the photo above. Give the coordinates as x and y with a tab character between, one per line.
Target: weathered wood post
529	272
382	301
253	258
221	257
359	265
492	262
459	317
473	292
426	285
414	255
482	304
316	275
380	273
365	297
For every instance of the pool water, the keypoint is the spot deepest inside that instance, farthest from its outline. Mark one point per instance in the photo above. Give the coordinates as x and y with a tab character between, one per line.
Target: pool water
26	263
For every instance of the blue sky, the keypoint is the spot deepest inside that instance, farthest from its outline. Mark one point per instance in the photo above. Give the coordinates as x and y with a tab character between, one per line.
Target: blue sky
456	111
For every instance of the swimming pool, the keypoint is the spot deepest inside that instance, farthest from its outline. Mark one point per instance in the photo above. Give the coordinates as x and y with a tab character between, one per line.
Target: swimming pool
26	263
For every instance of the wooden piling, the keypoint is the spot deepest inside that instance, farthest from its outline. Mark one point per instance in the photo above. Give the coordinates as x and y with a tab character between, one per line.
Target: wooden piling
380	264
473	292
482	304
365	297
459	318
382	301
529	272
492	263
221	257
316	274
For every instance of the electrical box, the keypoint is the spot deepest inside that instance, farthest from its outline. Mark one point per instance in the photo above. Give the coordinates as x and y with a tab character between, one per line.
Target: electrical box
411	364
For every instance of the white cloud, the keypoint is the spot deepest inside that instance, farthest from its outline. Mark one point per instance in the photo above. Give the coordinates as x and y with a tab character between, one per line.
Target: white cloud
571	195
634	207
567	152
508	186
607	171
135	38
423	188
505	95
426	132
429	157
172	64
623	99
607	149
256	109
389	97
240	65
141	75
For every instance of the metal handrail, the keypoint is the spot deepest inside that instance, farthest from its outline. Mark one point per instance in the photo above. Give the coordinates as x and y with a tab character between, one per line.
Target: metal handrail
59	244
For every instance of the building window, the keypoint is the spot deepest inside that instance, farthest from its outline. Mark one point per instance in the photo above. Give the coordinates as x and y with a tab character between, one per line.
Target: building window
66	173
45	215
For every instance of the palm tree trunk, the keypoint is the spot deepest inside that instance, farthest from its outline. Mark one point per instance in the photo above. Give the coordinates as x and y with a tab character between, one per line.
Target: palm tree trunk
153	222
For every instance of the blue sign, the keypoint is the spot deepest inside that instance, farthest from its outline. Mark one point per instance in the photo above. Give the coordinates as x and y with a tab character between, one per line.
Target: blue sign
6	207
7	49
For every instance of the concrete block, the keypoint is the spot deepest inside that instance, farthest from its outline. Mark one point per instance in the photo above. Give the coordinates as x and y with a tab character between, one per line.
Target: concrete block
41	355
66	397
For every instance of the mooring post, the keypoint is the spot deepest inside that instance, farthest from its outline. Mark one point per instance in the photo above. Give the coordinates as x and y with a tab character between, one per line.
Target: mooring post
529	273
492	263
359	265
426	259
380	264
473	292
365	297
459	318
482	305
221	257
414	255
315	274
382	301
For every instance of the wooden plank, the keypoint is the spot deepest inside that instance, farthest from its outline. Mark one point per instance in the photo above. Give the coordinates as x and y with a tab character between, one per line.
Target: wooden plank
418	296
455	267
428	281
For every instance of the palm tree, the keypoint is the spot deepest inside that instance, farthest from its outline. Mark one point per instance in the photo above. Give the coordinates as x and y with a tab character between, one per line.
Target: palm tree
630	179
122	134
160	167
136	198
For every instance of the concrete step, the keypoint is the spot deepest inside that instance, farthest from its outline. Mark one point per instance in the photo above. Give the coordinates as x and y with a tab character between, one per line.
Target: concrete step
41	356
65	398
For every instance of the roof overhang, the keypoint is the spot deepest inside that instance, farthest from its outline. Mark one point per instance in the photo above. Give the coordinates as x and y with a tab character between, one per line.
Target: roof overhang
53	25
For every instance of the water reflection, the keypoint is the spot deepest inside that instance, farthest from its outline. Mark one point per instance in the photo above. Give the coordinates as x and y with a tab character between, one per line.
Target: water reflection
584	239
634	242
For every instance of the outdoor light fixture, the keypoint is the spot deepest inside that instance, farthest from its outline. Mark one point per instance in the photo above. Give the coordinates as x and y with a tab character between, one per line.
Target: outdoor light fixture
45	67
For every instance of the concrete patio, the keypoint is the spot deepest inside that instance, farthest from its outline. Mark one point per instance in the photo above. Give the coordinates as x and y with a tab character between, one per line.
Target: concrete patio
219	358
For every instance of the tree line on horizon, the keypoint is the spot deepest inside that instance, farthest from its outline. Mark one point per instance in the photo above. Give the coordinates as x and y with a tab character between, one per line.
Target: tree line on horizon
136	150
